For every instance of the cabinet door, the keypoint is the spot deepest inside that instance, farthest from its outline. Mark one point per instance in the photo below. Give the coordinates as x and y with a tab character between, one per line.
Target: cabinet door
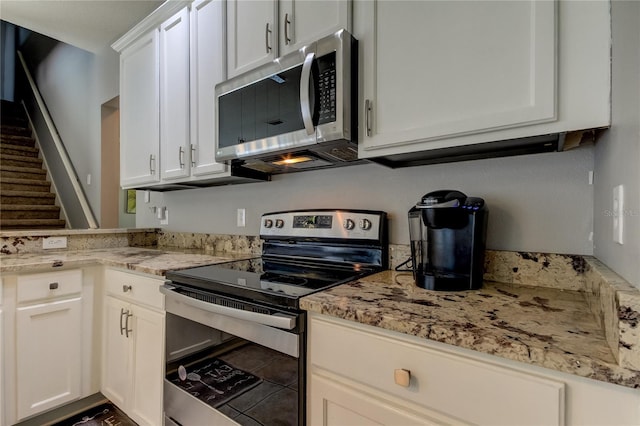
139	112
116	380
208	68
303	21
437	69
49	355
147	339
174	96
252	34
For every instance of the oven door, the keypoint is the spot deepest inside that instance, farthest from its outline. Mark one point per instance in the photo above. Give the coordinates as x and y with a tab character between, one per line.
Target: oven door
231	361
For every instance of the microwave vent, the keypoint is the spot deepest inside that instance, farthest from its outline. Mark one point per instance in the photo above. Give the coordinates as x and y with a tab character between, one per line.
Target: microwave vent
342	153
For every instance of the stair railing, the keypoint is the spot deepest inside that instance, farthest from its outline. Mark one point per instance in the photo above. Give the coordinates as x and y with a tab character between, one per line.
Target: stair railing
70	172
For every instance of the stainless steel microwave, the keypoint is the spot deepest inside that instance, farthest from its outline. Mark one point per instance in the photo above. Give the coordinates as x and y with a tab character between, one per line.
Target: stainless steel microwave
298	112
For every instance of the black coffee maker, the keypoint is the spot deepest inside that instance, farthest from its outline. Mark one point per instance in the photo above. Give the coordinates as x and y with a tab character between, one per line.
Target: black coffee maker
448	234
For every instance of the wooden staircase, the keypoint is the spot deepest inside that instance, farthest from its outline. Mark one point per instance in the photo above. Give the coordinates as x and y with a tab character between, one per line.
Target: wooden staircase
26	200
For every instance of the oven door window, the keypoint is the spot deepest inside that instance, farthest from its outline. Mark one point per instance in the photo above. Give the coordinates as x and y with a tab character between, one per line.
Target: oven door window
233	376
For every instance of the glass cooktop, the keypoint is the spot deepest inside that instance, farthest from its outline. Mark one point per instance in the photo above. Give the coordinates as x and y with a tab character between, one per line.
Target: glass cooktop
278	283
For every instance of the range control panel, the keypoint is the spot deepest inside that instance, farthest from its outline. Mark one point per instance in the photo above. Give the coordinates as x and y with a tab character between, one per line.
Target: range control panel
346	224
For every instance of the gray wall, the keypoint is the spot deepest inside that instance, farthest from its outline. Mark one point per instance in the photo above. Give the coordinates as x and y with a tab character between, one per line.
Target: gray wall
74	84
617	155
539	202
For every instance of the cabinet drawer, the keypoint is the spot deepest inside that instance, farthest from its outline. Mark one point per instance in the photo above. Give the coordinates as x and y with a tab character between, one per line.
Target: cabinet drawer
451	384
49	285
134	288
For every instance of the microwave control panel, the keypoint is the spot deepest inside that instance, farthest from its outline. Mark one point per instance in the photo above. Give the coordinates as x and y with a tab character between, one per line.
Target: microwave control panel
327	88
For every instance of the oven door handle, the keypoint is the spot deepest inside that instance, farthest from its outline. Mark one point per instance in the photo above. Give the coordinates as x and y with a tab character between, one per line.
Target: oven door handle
278	320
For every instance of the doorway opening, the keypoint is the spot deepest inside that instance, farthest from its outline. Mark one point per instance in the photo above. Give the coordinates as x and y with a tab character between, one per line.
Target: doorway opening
113	207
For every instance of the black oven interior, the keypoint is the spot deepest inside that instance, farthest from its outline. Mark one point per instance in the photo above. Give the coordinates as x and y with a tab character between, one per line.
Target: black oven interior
245	381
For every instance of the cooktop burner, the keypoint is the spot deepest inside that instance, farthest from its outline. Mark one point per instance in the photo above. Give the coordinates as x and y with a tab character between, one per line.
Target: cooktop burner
258	279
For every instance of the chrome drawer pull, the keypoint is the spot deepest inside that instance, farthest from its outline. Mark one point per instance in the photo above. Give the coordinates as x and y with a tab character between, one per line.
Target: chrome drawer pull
122	328
126	288
53	286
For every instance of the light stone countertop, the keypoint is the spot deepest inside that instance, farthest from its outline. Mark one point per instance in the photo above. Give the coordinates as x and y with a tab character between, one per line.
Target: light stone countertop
140	259
547	327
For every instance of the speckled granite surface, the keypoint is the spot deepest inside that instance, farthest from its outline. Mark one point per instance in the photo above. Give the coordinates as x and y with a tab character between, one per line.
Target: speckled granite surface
548	327
211	242
146	260
21	242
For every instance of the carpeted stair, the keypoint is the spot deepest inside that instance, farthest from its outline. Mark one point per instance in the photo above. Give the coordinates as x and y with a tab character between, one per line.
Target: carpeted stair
26	200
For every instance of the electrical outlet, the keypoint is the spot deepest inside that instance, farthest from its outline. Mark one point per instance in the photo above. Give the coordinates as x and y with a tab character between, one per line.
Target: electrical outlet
49	243
618	214
165	221
241	218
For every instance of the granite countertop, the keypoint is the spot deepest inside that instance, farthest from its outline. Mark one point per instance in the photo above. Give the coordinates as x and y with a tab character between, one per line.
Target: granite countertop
140	259
547	327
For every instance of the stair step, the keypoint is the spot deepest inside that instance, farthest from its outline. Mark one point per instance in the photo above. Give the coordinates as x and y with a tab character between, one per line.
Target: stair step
27	197
10	108
18	140
13	184
17	122
31	224
20	211
10	149
14	172
21	161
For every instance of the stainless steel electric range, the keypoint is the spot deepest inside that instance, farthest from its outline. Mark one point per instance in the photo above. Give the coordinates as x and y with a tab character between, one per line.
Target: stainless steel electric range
235	344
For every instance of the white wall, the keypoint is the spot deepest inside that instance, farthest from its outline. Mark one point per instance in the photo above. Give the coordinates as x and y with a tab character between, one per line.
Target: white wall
74	84
540	202
617	155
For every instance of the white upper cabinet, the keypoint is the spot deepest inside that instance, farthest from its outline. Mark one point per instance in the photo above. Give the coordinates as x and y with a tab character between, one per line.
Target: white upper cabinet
174	96
208	68
438	74
252	34
258	31
303	21
139	103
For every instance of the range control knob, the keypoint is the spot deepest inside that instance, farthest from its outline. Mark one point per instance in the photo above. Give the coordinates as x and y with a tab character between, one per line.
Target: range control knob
268	223
349	224
279	223
365	224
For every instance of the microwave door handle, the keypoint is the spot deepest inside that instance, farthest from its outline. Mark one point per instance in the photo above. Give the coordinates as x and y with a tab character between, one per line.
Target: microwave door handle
305	101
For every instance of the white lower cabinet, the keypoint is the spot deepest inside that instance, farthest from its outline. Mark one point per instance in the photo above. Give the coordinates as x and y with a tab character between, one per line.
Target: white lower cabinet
49	349
356	375
133	345
49	342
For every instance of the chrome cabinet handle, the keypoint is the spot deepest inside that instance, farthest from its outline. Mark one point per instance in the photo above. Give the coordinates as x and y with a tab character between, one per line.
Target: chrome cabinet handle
305	102
287	24
266	38
367	116
152	164
122	328
53	286
193	155
181	157
126	326
126	288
